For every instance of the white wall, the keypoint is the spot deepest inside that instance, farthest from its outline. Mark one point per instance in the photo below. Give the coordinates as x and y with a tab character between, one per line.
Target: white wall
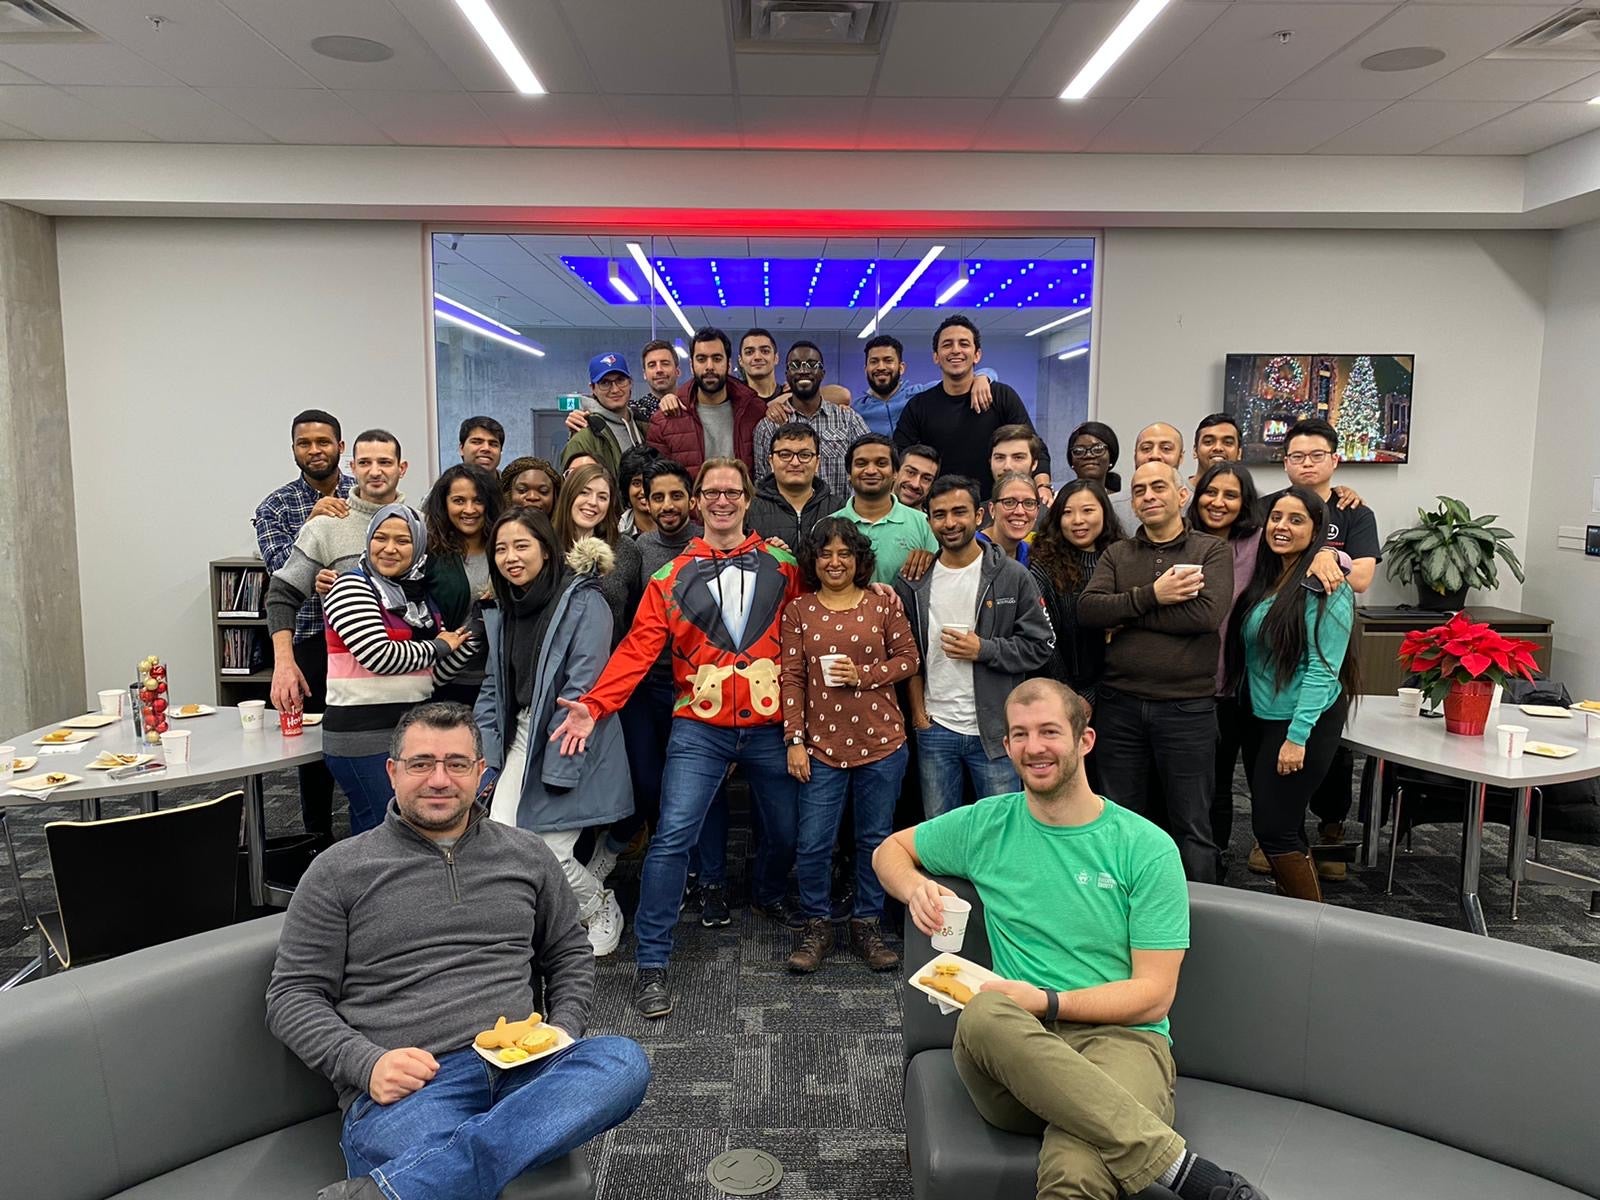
1470	306
189	346
1566	461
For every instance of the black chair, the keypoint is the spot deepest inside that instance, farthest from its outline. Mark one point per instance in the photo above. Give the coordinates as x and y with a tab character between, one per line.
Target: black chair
138	881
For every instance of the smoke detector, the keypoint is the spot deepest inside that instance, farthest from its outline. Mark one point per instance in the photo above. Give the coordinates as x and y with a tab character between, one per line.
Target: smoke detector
810	26
36	21
1573	36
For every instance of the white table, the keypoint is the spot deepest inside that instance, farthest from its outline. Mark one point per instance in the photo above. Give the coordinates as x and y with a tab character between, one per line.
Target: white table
1379	728
219	750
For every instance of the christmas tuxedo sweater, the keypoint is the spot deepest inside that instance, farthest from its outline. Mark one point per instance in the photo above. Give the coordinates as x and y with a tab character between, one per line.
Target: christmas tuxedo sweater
721	614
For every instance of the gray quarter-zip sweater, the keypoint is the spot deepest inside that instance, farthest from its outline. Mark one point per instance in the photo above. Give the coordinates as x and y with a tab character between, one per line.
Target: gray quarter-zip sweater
392	941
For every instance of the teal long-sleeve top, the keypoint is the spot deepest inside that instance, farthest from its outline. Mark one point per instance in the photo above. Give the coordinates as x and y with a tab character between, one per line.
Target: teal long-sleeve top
1315	685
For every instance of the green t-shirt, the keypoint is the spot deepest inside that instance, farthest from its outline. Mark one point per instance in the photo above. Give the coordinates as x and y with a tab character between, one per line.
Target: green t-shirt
1064	906
893	537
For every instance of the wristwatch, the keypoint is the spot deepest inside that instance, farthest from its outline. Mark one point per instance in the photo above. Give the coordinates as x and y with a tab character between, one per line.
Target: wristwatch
798	739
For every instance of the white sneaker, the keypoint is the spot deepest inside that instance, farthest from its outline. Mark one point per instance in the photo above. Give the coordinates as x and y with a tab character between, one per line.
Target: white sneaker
605	927
604	859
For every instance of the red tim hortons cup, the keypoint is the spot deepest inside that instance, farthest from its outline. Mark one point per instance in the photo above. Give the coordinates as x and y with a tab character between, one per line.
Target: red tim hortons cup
291	722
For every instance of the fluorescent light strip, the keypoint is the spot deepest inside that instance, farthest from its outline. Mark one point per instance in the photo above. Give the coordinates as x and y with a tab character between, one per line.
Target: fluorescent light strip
619	284
1596	100
468	309
514	343
661	288
1114	47
955	286
1072	316
916	274
682	353
1077	352
500	45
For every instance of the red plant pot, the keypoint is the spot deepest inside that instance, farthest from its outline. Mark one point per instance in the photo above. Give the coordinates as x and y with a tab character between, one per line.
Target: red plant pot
1466	707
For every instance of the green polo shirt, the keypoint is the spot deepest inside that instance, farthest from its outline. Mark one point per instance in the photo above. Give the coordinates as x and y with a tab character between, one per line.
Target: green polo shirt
900	531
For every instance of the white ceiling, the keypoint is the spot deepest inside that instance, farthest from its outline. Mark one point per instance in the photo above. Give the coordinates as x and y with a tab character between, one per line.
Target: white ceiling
1209	77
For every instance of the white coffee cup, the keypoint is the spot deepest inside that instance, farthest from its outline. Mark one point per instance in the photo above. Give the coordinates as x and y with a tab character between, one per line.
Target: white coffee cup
1188	567
1510	739
831	667
954	929
175	747
253	715
1410	701
7	753
956	627
112	700
1592	721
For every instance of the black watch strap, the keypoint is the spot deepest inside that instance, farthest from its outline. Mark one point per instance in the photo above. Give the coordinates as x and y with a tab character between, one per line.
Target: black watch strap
1052	1005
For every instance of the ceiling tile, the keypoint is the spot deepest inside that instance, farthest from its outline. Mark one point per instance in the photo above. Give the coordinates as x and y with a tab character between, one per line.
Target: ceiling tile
1239	54
821	123
12	75
11	133
1291	126
1505	79
555	120
1084	25
292	25
173	114
805	74
1588	89
1531	127
669	47
427	118
657	122
897	123
199	42
1167	126
1032	124
1411	126
961	48
1463	32
536	26
48	112
300	116
83	62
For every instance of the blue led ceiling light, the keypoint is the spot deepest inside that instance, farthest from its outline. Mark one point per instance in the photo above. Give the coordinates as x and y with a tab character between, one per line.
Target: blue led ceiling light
831	282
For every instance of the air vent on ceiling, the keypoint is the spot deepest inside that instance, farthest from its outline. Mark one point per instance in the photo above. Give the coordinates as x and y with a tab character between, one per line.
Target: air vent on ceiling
810	26
1572	36
36	21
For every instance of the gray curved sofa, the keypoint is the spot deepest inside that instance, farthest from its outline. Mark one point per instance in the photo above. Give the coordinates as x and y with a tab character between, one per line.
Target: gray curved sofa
1324	1052
153	1077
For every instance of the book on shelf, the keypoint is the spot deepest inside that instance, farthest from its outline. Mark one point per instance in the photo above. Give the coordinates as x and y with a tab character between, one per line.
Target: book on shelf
242	652
242	592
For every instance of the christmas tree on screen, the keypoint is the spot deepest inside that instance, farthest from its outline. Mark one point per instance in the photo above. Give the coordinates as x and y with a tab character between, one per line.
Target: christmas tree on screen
1359	416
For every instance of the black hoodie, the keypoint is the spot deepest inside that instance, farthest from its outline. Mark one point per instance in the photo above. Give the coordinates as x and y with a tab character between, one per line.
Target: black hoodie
772	516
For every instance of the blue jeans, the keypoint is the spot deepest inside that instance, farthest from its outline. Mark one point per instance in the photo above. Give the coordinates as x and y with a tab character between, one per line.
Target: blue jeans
875	787
472	1128
697	759
364	779
941	757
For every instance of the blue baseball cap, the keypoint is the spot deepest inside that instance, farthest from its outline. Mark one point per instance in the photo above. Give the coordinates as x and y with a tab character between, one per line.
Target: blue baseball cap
609	363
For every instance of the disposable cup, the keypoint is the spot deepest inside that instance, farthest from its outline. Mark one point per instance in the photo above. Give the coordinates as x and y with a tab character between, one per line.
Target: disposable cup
290	722
954	930
1592	720
956	627
111	701
1187	567
7	753
1510	739
252	715
1410	701
831	665
175	747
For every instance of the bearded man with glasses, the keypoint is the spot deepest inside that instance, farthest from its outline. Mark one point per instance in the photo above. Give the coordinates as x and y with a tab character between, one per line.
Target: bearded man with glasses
836	425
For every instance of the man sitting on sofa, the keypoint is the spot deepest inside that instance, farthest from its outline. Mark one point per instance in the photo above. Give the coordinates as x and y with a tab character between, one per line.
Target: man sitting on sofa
402	943
1088	918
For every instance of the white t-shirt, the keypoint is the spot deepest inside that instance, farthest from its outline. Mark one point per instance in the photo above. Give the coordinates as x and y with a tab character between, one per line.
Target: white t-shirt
952	600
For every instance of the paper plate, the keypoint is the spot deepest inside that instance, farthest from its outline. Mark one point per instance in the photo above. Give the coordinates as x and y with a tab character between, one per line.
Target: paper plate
1546	750
492	1056
969	973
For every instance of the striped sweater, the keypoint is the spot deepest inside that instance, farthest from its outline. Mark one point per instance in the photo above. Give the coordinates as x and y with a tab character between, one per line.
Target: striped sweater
377	667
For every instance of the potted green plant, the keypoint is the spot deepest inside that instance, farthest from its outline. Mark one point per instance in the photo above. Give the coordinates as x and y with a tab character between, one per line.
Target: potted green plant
1447	552
1460	662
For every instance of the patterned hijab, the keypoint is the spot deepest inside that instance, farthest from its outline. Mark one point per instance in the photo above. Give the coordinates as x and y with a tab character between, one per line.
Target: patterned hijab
407	594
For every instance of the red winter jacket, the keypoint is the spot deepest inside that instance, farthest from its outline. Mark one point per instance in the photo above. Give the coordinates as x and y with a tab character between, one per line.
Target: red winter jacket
680	436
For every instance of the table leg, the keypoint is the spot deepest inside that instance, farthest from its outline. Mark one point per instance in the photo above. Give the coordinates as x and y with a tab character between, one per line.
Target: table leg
88	809
148	802
1372	825
1471	857
1517	854
255	839
16	874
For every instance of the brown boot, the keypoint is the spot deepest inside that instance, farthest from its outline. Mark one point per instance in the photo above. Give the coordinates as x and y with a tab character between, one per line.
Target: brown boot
1257	862
811	945
1296	876
1330	833
866	943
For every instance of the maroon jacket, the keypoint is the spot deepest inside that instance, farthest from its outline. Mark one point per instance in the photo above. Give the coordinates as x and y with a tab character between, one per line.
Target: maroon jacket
680	436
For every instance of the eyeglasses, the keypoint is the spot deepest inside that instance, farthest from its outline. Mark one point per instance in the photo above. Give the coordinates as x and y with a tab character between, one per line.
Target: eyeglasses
799	456
805	364
1092	450
1012	503
423	764
612	385
1314	457
721	493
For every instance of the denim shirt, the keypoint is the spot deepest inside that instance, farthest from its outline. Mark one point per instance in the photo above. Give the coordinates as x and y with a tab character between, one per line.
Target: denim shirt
883	415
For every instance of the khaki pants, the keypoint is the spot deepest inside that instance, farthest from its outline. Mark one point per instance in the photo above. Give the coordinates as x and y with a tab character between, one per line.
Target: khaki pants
1100	1094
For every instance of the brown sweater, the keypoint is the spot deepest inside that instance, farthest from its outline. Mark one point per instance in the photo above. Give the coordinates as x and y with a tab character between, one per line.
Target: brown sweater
1159	651
846	726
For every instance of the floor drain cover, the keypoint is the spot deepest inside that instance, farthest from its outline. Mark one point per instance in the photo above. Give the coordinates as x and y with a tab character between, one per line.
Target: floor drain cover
744	1172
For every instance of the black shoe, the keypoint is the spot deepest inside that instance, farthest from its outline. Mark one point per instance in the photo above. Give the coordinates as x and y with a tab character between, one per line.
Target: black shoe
363	1187
783	913
650	995
714	906
1237	1188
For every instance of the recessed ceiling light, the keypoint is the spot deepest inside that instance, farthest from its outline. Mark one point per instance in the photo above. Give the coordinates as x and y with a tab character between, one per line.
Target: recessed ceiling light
352	49
1114	47
500	45
1405	58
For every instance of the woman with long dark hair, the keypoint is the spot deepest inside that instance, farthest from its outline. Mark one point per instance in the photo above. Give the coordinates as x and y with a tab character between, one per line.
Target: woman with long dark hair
1290	645
530	482
1092	449
590	507
1226	505
1066	550
461	506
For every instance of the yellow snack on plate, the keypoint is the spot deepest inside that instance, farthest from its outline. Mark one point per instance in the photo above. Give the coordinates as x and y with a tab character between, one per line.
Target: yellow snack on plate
538	1040
946	969
57	735
506	1034
512	1054
956	990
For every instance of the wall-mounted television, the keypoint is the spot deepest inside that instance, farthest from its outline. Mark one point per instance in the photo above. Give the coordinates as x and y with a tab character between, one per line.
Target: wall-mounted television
1365	397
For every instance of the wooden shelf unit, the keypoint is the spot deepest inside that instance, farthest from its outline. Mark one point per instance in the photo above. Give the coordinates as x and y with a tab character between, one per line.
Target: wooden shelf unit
233	688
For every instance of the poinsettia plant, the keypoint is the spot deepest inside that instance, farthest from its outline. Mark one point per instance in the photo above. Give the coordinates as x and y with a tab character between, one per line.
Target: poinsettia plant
1460	651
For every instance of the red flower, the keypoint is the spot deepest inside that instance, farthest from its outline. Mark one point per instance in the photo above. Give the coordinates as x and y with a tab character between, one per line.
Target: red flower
1462	650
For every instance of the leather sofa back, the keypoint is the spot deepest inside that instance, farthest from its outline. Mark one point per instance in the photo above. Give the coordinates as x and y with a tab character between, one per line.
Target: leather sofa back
124	1070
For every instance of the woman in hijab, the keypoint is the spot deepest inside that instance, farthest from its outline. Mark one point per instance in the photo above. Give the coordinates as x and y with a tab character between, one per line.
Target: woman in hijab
387	650
549	636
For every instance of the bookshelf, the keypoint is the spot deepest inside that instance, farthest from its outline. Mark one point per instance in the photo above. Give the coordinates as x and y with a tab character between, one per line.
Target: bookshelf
240	648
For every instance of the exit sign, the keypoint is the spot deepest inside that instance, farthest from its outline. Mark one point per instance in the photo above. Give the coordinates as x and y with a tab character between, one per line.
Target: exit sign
569	403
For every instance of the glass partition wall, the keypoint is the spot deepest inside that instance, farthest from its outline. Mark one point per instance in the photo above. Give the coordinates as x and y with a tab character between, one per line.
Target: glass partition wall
518	316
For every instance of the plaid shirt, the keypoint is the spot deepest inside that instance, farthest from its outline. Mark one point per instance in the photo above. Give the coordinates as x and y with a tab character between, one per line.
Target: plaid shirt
278	520
836	426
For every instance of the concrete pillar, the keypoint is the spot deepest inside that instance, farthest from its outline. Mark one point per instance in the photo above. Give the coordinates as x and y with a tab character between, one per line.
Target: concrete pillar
41	619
